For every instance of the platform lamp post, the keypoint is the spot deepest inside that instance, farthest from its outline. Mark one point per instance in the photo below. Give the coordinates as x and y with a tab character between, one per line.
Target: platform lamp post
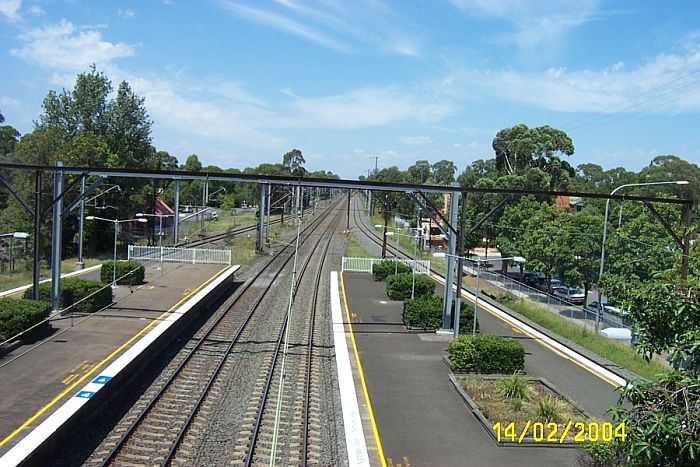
599	311
116	223
517	259
160	233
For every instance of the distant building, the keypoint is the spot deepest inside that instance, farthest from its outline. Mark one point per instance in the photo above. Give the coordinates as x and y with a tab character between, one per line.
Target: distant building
576	203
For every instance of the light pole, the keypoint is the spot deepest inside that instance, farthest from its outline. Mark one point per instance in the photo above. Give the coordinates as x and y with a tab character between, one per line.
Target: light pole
517	259
605	236
415	240
115	222
160	233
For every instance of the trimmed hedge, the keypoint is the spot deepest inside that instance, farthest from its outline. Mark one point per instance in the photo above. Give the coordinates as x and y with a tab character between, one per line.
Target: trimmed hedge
380	271
398	286
426	313
487	354
131	272
17	316
73	290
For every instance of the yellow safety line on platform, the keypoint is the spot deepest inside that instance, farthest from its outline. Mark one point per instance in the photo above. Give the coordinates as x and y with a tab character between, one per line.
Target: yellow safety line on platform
550	347
362	376
105	360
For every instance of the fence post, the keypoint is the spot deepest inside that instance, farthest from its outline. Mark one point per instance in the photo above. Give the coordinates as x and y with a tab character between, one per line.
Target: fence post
193	255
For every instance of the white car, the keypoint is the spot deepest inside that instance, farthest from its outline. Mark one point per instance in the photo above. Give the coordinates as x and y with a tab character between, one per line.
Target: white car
570	294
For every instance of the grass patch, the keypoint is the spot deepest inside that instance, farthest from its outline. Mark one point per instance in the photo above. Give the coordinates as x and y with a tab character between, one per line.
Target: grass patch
355	249
616	352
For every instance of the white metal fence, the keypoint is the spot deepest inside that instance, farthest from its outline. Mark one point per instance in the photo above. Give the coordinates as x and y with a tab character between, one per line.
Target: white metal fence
179	255
365	264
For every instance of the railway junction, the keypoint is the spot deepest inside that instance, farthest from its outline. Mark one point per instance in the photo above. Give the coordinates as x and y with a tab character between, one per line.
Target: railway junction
245	370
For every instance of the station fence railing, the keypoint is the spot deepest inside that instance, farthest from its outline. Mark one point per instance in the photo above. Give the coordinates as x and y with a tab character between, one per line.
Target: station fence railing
179	255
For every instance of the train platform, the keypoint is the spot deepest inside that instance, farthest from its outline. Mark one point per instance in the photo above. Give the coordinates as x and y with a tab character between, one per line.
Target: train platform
419	418
39	377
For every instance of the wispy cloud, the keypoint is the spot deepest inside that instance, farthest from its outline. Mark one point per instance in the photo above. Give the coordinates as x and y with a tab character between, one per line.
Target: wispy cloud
666	83
36	10
341	26
416	140
534	21
10	9
126	13
282	23
64	47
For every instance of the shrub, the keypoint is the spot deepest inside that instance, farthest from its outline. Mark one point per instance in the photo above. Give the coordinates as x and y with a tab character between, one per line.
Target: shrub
487	354
548	409
17	316
99	294
515	387
426	313
601	454
130	272
398	286
380	271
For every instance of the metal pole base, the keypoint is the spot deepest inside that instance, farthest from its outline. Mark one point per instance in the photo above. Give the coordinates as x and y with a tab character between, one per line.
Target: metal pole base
444	332
79	265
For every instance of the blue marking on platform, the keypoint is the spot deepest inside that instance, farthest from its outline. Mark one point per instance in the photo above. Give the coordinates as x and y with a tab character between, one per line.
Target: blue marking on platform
85	394
101	379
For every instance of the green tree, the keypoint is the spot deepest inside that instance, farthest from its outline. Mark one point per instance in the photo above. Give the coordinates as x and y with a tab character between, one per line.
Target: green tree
293	162
443	172
419	172
520	147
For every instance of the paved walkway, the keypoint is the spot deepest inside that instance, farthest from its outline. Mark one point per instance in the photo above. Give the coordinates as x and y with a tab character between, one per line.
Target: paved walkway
34	383
420	418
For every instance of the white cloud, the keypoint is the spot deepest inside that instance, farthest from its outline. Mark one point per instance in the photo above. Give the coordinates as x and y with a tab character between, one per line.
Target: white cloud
416	140
362	108
9	102
10	9
36	10
535	21
126	13
64	47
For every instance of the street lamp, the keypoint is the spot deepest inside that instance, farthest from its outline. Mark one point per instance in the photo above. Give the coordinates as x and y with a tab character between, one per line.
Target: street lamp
115	222
160	217
415	240
19	235
517	259
605	236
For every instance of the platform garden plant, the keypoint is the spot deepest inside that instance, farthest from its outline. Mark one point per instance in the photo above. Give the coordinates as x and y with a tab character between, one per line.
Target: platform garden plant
399	286
426	313
381	270
127	272
16	316
83	296
486	354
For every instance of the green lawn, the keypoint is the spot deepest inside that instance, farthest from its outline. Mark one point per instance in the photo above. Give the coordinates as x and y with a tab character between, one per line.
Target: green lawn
11	280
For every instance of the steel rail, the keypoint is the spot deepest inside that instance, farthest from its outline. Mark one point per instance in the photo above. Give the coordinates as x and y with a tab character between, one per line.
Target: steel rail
280	339
133	426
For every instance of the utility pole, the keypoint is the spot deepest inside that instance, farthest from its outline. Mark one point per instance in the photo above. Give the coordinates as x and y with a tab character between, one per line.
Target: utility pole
376	162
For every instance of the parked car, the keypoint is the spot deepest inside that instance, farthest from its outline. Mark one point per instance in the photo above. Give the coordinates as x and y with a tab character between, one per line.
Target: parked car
570	294
554	283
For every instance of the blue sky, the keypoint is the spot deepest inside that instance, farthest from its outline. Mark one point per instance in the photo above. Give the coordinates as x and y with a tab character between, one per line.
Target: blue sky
242	82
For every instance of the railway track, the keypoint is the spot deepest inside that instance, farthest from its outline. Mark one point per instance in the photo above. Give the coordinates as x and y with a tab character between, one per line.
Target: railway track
170	422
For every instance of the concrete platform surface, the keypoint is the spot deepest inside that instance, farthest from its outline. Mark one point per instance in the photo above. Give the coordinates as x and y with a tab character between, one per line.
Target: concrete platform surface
35	381
419	416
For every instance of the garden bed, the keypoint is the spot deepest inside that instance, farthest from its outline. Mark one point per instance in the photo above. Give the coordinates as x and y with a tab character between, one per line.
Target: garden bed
490	407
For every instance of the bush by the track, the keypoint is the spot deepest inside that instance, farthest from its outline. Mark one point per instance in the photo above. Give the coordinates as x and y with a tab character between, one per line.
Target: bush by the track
380	271
16	316
486	354
94	295
130	272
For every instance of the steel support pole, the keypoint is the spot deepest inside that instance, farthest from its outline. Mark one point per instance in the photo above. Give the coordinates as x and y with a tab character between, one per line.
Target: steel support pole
348	222
267	223
37	233
81	222
449	274
176	216
460	265
56	238
261	218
